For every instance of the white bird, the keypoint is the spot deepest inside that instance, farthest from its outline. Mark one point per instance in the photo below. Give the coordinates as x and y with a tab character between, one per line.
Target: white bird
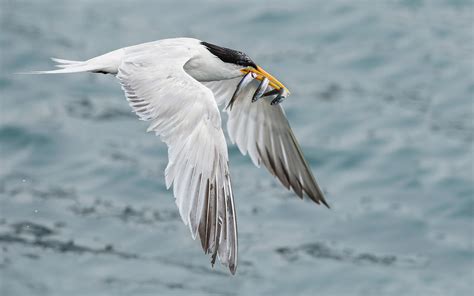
177	84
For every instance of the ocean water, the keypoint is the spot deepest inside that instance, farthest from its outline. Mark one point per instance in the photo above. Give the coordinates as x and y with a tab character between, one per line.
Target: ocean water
382	104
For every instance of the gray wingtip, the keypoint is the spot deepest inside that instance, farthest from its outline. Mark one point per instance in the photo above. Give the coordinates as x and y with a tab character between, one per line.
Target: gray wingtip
233	268
325	203
317	196
320	200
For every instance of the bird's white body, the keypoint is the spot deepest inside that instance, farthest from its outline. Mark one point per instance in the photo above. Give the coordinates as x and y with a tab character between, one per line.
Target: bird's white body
202	65
177	85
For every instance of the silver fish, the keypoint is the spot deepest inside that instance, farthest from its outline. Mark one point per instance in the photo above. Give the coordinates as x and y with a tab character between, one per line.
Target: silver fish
270	93
282	94
242	84
261	89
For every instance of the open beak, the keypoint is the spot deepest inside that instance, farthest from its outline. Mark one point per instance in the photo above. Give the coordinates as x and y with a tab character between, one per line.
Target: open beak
261	74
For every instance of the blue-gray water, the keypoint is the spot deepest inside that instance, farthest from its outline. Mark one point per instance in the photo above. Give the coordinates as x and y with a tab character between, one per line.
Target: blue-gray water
382	103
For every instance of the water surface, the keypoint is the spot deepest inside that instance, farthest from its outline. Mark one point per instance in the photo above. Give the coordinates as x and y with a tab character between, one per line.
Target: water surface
381	103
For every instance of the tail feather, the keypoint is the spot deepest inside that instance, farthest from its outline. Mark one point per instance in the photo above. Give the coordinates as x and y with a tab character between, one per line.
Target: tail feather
67	70
107	63
70	67
60	63
69	62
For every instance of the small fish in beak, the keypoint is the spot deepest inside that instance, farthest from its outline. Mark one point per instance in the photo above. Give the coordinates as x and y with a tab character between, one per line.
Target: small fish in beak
261	89
242	84
267	80
270	93
282	94
279	89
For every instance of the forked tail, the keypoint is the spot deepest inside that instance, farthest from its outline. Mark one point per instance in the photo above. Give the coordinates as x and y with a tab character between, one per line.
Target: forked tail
67	66
107	64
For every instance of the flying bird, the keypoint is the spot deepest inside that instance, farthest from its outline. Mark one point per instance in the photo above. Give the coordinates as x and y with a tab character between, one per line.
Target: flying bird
178	86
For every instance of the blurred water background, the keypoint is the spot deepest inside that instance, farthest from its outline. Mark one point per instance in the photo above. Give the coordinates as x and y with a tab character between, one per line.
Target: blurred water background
382	103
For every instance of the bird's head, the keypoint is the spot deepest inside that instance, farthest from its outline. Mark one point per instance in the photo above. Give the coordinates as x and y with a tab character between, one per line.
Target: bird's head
244	64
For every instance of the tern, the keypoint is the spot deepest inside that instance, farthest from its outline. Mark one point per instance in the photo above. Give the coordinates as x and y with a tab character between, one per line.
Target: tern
178	86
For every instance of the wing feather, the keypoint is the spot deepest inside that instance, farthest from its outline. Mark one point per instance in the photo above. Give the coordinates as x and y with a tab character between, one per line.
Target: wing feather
262	131
184	114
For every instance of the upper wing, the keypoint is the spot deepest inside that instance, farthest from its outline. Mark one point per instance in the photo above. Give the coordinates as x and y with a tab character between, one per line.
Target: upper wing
185	115
262	130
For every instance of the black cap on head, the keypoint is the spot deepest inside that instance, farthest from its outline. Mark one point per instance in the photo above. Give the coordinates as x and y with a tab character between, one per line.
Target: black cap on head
228	55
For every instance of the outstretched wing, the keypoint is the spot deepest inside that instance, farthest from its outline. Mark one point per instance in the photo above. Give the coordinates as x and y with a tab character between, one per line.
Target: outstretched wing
184	114
262	130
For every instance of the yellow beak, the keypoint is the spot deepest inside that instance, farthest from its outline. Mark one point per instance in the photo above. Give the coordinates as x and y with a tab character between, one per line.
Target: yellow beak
264	74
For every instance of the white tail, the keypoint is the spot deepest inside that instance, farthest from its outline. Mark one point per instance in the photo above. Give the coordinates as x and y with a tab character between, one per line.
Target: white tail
66	67
107	64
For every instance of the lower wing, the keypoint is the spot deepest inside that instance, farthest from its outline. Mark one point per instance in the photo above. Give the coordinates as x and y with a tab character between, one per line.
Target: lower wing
262	130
